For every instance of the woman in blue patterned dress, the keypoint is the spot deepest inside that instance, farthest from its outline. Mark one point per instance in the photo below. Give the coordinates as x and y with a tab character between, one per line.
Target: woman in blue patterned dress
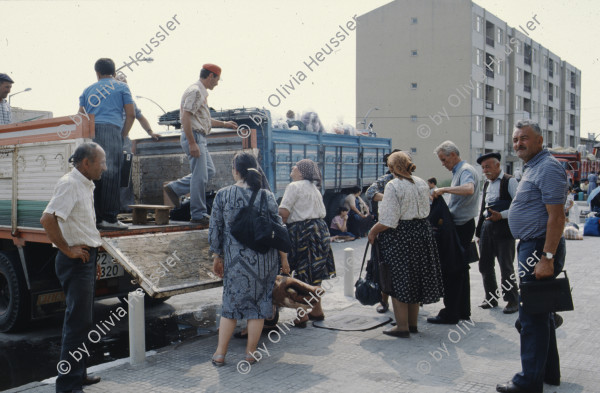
248	276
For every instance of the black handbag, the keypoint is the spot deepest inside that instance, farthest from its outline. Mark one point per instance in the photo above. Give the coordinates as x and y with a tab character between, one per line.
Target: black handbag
243	227
367	292
544	296
268	231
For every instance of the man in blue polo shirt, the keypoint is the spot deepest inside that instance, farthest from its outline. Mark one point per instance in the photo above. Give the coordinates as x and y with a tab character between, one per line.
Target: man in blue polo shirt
106	100
536	217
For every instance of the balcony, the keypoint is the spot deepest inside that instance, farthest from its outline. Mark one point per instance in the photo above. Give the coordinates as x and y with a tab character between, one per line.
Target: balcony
572	84
573	105
551	121
527	88
527	60
572	127
550	97
551	72
489	105
489	73
489	41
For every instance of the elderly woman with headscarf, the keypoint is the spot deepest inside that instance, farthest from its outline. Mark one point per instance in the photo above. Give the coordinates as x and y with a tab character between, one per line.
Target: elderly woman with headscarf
303	211
407	245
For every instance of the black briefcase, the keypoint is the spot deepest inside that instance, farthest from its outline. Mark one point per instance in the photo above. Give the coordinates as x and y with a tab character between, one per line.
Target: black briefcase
543	296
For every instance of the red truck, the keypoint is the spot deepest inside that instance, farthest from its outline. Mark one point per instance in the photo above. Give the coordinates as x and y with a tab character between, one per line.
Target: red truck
577	168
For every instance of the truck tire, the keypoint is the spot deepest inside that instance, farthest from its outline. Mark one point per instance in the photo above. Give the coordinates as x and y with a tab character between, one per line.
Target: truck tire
14	295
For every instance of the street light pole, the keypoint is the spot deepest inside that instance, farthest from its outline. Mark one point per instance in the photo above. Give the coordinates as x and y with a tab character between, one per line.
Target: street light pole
154	102
125	64
365	119
22	91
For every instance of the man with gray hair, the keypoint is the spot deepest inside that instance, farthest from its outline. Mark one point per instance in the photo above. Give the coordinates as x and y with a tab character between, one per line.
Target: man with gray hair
464	197
70	223
536	217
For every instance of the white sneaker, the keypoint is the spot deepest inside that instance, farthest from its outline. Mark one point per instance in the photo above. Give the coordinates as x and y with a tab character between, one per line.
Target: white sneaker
113	225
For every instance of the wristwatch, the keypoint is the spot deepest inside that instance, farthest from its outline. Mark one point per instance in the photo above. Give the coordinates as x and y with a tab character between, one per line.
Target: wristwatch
548	255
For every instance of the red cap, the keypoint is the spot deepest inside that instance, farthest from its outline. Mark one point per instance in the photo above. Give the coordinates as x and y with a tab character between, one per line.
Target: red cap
212	68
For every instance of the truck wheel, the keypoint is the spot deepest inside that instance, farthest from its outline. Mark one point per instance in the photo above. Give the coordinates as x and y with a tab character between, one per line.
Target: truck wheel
14	296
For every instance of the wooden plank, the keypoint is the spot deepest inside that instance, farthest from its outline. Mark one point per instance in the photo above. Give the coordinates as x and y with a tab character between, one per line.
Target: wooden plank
165	264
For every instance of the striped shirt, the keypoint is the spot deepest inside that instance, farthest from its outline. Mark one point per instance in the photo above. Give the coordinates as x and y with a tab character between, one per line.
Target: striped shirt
5	113
73	206
544	182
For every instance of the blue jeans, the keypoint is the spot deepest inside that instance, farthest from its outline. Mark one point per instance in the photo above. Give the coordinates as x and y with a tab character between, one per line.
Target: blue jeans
78	281
539	354
195	183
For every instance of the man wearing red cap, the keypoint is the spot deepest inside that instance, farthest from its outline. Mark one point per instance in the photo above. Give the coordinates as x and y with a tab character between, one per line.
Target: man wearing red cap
196	124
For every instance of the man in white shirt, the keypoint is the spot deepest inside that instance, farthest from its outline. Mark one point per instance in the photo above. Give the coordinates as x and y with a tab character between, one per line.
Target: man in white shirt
196	124
70	223
495	239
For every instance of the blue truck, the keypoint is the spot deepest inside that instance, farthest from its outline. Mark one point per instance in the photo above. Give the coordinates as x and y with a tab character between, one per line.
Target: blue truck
33	156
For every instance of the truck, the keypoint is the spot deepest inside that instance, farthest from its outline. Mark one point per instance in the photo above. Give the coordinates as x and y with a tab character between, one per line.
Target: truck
163	260
577	167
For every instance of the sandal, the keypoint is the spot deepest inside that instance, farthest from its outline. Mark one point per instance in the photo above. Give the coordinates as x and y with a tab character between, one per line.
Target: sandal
250	359
215	360
383	308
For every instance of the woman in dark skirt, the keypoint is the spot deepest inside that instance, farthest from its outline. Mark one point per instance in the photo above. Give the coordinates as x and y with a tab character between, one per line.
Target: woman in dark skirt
407	246
303	211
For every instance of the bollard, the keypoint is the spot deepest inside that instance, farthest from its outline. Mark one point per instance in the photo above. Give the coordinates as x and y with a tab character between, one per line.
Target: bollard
137	329
349	272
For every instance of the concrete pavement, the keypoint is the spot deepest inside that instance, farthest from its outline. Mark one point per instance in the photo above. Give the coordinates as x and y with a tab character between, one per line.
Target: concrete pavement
472	356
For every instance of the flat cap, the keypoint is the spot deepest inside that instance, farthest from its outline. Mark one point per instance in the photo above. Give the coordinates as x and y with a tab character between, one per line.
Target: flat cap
215	69
489	155
6	78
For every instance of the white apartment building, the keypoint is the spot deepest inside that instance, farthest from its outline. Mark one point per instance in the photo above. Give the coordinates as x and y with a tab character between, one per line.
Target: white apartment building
449	69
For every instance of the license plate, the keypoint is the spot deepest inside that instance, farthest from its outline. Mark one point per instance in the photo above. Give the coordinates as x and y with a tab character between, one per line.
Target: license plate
107	267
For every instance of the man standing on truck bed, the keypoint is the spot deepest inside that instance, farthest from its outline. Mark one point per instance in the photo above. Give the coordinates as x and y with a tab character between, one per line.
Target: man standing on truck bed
106	100
6	83
196	124
69	222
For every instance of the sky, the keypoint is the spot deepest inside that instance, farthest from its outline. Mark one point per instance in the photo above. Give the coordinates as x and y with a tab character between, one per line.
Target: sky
51	46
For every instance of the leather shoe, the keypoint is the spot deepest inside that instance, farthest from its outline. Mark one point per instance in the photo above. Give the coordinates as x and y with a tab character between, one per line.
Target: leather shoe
511	308
397	333
441	321
383	308
91	380
510	387
487	304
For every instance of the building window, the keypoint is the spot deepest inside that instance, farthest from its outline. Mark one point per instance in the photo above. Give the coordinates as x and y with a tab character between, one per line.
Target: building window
477	123
414	52
414	20
413	150
500	36
518	75
498	126
478	56
518	46
499	97
413	118
534	81
556	90
413	85
518	105
545	61
477	23
535	55
500	69
478	90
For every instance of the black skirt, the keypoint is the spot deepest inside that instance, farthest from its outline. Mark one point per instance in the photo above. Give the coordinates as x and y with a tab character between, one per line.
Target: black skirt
414	265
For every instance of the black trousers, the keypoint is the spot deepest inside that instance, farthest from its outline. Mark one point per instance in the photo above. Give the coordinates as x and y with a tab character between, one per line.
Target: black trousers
490	248
457	285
